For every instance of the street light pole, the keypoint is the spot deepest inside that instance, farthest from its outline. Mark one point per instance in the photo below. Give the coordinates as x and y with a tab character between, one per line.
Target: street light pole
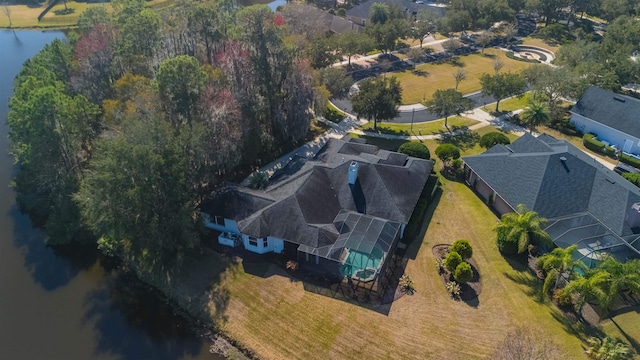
412	115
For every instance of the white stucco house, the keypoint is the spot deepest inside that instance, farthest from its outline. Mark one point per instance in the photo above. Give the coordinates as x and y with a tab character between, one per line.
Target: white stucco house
614	118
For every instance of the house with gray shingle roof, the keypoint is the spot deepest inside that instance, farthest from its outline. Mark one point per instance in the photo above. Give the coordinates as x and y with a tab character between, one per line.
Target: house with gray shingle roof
614	118
341	213
585	203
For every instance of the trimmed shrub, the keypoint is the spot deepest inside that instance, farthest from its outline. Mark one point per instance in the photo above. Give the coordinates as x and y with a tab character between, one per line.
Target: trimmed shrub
633	178
415	149
447	152
594	145
630	160
452	261
505	245
463	273
494	138
462	247
406	284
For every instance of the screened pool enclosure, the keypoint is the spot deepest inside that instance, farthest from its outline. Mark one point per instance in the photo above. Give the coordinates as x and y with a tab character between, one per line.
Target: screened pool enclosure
593	238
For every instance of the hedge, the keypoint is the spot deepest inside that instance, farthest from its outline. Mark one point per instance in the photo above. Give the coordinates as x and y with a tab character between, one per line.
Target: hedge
630	160
594	145
510	55
415	149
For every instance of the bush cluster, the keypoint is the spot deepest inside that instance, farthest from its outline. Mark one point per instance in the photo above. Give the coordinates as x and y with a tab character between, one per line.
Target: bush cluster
510	55
333	115
493	138
415	149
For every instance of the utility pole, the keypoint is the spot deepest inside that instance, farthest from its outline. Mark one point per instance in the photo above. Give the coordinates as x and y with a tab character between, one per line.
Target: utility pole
413	113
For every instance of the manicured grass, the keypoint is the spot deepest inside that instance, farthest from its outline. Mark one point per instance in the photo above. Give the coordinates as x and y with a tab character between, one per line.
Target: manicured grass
425	128
625	327
23	16
512	104
273	314
431	77
529	40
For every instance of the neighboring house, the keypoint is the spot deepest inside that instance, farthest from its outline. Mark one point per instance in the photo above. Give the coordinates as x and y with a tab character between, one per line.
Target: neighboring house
360	14
614	118
340	214
585	203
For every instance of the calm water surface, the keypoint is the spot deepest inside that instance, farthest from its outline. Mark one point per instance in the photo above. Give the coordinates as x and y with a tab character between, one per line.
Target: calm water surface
68	304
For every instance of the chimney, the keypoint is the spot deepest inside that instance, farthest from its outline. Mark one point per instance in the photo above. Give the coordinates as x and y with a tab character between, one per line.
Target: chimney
633	216
353	173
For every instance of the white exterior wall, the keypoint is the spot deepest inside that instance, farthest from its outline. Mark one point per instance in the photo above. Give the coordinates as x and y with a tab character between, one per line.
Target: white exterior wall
273	245
501	206
603	132
276	245
229	225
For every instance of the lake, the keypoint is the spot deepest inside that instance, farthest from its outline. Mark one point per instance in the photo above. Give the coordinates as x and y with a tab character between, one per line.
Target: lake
69	303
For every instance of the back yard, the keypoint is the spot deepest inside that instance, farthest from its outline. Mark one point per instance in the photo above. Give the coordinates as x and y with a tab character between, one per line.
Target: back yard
273	313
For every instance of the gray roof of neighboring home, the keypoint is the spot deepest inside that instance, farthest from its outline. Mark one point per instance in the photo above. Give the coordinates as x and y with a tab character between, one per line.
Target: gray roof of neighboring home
308	194
613	110
340	25
534	173
362	10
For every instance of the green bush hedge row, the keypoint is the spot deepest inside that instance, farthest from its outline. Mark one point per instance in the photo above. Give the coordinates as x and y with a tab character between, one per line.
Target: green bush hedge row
510	55
630	160
594	145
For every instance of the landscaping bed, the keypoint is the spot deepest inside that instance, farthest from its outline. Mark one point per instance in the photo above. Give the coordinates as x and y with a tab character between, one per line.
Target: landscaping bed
469	290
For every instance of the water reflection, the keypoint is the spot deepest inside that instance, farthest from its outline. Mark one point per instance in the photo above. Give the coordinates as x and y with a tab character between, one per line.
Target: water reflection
133	323
50	267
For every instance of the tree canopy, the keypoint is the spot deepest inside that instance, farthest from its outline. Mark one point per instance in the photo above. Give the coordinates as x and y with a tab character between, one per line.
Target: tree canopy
377	99
449	102
502	86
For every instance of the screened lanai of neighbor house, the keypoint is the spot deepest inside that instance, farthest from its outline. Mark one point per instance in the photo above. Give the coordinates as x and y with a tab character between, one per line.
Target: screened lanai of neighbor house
584	202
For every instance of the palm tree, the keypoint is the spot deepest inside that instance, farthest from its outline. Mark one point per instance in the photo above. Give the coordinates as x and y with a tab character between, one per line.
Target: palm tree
522	226
379	13
594	286
607	349
558	264
537	113
624	276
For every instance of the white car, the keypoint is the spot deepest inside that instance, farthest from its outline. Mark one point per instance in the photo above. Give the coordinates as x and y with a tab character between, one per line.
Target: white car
419	2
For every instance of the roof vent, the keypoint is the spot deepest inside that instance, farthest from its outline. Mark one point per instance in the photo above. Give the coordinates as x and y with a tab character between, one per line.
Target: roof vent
562	158
619	99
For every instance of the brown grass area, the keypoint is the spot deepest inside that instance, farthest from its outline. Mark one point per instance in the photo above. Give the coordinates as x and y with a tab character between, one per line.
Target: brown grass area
431	77
540	43
277	318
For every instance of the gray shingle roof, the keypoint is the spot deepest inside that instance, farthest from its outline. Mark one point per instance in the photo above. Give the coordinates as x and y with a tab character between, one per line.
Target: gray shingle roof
307	196
616	111
362	10
554	187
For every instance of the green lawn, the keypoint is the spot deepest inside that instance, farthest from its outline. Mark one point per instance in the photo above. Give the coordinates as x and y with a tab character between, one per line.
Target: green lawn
23	16
426	325
625	327
512	104
431	77
425	128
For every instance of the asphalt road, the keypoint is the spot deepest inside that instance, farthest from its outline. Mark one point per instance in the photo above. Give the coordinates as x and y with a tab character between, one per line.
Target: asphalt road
419	115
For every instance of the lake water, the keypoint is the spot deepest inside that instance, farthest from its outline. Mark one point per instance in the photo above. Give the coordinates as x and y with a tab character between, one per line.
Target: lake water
69	303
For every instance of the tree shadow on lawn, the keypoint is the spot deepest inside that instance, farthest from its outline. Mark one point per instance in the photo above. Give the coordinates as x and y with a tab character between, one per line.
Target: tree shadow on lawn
460	136
413	246
634	343
421	73
522	275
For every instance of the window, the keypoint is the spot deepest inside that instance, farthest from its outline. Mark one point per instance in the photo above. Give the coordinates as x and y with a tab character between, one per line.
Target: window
265	242
219	220
253	241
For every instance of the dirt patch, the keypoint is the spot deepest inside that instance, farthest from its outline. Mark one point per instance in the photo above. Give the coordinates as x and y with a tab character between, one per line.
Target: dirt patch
470	290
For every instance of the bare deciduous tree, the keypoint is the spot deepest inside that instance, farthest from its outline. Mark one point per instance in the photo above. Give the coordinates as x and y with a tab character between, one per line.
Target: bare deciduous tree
484	39
524	344
498	65
7	11
460	75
